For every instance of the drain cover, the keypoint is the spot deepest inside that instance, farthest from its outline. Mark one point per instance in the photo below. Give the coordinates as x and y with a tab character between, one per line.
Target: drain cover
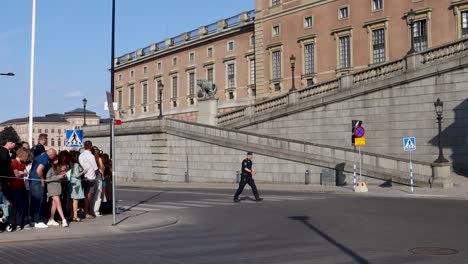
433	251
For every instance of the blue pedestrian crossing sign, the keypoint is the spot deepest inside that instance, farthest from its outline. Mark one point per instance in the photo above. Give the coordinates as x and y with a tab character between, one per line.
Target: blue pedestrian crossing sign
409	144
74	138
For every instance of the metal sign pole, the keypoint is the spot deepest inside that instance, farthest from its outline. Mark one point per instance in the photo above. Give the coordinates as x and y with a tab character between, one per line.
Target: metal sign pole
354	169
411	172
360	165
114	199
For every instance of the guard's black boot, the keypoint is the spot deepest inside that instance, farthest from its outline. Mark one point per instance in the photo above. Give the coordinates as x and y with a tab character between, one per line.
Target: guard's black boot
236	199
258	199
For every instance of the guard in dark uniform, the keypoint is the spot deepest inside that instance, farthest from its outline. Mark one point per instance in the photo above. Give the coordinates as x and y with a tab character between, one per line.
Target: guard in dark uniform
246	178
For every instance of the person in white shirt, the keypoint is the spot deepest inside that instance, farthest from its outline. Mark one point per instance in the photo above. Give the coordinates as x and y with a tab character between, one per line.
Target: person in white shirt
90	184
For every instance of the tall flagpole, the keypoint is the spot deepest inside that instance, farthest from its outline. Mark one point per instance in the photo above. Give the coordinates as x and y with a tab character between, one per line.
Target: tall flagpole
31	80
112	137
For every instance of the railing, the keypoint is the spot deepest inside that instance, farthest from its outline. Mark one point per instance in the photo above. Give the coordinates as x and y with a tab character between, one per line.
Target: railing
251	15
146	51
231	22
194	34
161	45
379	71
272	103
447	50
177	39
318	89
211	28
233	115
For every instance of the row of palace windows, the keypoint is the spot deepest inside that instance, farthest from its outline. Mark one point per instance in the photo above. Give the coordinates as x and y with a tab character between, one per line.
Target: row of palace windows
343	12
46	130
191	58
378	46
231	83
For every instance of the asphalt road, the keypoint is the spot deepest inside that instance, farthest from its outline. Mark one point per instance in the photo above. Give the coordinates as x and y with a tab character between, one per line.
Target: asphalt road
285	228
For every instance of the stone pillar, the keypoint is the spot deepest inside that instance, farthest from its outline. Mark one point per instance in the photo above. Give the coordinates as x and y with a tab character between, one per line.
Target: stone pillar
441	175
293	97
413	61
207	111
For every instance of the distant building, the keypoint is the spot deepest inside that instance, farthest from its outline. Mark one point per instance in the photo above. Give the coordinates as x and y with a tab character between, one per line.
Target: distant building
248	55
54	125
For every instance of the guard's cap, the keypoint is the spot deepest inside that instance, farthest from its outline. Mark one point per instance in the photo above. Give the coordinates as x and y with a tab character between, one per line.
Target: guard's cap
249	153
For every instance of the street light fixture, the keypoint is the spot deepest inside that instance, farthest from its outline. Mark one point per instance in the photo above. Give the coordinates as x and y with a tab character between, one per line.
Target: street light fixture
8	74
84	111
292	59
160	90
439	108
410	17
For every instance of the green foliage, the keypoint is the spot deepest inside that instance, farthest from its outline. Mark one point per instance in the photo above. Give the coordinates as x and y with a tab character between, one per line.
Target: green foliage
8	134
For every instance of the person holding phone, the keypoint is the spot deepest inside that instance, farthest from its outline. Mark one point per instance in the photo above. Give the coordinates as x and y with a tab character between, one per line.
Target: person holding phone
55	176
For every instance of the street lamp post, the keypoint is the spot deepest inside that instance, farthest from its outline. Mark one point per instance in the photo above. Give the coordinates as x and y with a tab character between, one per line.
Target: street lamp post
410	17
8	74
292	59
84	111
160	90
439	108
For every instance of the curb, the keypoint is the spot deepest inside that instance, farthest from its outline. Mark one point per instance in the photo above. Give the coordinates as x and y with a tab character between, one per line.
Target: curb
136	228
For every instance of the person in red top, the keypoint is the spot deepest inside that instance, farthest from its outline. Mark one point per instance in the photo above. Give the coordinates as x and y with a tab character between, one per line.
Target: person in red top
20	195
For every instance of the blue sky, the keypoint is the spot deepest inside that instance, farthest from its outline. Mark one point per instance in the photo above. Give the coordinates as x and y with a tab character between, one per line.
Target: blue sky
73	45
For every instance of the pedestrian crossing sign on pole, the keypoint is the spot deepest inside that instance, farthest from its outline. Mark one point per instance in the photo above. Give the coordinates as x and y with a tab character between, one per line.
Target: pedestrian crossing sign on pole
74	138
409	144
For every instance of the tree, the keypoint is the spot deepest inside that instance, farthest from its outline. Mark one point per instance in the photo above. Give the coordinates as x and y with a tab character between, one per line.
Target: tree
8	134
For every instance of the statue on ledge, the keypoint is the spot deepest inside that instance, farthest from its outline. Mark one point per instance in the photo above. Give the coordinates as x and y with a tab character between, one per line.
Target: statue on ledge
207	89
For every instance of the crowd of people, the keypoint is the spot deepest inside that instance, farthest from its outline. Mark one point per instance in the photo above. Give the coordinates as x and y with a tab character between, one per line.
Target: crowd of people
41	188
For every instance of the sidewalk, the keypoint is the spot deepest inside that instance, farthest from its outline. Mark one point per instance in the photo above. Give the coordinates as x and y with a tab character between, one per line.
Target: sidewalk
126	222
458	192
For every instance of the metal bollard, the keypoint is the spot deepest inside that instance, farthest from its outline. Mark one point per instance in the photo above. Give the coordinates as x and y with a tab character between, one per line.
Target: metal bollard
307	177
187	177
238	176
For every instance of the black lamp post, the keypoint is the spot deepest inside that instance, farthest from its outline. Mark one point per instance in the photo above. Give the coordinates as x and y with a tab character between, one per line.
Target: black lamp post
439	108
292	59
84	111
160	90
410	17
8	74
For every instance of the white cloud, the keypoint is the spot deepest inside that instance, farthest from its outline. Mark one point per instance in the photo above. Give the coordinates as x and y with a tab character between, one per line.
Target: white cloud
74	94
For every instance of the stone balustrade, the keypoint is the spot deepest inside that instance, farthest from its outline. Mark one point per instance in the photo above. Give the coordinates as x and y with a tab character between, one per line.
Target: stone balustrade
444	51
231	22
318	89
380	71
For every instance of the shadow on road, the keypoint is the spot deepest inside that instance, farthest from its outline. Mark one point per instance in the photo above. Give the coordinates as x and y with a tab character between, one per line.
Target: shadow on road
347	251
145	201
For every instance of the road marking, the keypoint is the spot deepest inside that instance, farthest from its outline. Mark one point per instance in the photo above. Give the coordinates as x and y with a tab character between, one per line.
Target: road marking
428	195
161	206
283	198
211	203
186	204
137	208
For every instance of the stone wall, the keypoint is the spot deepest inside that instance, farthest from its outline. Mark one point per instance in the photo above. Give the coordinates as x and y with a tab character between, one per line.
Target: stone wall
391	108
169	150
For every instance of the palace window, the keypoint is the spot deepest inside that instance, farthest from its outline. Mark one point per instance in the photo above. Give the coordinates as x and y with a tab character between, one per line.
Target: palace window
308	22
343	12
252	71
464	23
309	58
191	83
378	45
377	5
345	52
231	81
144	87
276	64
276	30
420	35
174	87
132	96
